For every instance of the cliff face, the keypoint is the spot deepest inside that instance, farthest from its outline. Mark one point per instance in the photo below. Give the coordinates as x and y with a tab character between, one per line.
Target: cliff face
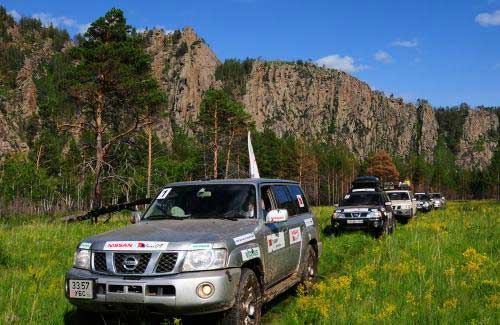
296	98
185	68
310	101
478	143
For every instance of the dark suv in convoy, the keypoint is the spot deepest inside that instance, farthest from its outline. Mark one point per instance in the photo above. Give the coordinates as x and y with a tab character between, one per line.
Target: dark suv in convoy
366	209
224	246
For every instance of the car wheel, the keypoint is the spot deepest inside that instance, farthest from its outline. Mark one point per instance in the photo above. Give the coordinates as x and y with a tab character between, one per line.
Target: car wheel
311	266
247	307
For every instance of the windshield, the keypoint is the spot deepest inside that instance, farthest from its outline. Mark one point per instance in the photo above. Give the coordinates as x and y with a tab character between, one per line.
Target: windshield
398	196
361	199
203	201
436	195
422	197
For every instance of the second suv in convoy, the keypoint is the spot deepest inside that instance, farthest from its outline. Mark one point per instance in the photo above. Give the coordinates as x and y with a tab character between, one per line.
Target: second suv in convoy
424	202
224	246
403	204
364	209
438	200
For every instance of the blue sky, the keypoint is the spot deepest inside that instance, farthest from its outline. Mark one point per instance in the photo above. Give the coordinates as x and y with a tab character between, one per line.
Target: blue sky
447	52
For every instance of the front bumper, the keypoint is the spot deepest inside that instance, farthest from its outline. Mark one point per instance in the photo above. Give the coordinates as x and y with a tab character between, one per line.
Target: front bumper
424	208
403	213
357	223
118	293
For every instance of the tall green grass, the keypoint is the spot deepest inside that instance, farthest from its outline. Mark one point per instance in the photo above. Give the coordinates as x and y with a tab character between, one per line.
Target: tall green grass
441	267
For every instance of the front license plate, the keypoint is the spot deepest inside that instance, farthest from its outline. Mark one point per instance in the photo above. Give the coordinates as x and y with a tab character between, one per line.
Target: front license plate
82	289
354	221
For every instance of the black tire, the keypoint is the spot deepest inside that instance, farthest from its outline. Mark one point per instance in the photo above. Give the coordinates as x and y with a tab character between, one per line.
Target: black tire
310	269
247	307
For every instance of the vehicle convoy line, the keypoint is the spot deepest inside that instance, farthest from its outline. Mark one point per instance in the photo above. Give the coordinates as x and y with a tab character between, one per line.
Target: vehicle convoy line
221	247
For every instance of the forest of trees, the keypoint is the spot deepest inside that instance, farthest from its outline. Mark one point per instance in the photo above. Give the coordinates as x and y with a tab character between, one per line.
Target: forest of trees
110	154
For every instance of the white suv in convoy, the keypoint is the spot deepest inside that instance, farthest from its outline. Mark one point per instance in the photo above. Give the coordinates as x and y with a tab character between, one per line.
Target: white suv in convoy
403	204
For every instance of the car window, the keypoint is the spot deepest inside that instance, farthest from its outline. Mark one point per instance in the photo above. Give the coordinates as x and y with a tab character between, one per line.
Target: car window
299	198
398	196
266	202
354	199
283	199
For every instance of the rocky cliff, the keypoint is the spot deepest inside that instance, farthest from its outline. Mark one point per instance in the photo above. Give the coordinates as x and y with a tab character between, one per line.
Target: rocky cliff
297	98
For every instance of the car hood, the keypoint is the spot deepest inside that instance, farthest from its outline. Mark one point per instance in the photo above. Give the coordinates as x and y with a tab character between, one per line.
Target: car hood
180	234
360	208
396	202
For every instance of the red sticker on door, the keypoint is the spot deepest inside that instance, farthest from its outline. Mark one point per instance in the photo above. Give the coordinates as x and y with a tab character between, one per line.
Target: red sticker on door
300	200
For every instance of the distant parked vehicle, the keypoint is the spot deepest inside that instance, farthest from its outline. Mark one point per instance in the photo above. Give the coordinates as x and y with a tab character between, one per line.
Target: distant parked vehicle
366	209
403	204
438	200
424	202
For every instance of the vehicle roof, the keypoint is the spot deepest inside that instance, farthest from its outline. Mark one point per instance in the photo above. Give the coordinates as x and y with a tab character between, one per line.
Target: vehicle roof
364	192
234	181
393	191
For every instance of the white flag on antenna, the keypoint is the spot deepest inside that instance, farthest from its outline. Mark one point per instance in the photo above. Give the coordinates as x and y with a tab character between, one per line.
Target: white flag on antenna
254	170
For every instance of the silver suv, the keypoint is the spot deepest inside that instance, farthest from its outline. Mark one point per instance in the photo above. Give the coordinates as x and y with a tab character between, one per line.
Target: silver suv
202	247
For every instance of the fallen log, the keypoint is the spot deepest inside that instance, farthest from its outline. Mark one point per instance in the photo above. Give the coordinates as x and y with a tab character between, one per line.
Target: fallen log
97	212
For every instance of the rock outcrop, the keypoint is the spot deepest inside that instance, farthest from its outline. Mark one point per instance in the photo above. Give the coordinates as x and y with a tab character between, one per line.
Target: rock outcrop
185	67
478	143
289	98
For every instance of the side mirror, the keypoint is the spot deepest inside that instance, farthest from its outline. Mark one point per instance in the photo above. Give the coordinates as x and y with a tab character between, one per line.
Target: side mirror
277	215
135	217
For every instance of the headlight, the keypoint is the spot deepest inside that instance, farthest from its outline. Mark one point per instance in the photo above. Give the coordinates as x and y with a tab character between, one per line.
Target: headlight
426	204
374	214
337	214
204	260
81	259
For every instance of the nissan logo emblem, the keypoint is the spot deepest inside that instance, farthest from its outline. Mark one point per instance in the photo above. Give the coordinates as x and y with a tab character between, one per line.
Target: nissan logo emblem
130	262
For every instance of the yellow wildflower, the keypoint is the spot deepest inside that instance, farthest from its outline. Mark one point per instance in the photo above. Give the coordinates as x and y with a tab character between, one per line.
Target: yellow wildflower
450	303
388	310
449	271
410	298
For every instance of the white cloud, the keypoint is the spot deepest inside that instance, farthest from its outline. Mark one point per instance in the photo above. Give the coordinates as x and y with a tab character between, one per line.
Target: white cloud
14	15
382	56
344	63
486	19
60	21
406	43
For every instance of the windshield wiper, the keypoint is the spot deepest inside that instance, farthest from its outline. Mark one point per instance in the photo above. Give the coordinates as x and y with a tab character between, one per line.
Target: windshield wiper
164	216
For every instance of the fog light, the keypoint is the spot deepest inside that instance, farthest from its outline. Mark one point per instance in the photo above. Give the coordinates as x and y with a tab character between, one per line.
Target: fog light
205	290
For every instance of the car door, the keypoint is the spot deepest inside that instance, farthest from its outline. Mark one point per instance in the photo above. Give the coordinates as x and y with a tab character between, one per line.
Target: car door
297	223
276	244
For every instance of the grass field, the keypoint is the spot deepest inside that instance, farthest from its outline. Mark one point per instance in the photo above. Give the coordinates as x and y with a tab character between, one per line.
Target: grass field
440	268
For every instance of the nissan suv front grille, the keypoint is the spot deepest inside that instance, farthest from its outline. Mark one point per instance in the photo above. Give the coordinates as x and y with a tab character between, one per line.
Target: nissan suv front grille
166	262
131	263
100	262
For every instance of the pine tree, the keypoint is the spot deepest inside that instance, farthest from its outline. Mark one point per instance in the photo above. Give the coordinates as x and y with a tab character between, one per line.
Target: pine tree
113	86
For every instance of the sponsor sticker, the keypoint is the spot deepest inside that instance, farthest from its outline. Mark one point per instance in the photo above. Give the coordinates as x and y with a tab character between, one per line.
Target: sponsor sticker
135	245
244	238
248	254
275	242
163	194
300	200
201	246
85	245
295	235
357	210
309	222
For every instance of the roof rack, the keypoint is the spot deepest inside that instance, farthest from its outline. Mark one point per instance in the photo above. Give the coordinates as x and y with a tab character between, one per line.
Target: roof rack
366	183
